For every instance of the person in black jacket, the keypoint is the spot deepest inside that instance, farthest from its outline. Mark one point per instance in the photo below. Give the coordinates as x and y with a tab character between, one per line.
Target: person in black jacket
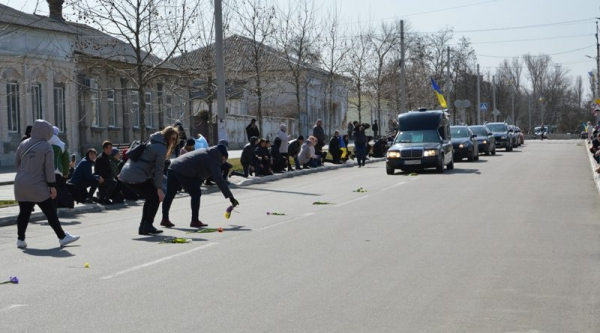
103	169
360	143
182	137
252	130
279	162
263	159
294	149
189	171
334	148
248	158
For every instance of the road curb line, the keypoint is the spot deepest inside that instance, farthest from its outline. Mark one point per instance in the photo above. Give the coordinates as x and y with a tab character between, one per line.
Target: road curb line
62	212
593	165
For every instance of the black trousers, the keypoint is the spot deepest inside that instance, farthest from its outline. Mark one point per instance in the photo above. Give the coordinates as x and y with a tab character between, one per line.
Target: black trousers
147	190
191	185
107	188
82	187
48	208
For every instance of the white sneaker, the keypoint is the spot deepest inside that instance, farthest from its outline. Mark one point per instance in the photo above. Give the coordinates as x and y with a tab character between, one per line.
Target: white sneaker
68	239
21	244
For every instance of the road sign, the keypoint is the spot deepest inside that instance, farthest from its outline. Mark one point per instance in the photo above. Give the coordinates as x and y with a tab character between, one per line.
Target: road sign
496	113
462	103
483	106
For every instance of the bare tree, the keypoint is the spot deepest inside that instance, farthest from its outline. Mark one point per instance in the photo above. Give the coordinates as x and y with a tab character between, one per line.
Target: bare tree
537	68
356	66
297	38
383	42
153	31
257	21
333	54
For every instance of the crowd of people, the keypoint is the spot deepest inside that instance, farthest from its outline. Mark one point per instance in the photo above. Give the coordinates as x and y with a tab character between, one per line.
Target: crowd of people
156	170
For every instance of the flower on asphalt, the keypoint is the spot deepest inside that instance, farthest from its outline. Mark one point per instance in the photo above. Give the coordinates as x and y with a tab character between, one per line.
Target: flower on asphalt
228	212
275	213
12	279
321	203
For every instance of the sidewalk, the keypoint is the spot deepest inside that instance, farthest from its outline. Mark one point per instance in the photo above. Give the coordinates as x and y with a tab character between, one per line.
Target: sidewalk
8	215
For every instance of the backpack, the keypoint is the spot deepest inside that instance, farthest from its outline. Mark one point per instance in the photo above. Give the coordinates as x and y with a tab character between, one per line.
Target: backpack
137	148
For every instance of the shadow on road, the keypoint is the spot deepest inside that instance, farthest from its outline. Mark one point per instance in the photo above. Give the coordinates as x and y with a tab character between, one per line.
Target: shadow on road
62	223
55	252
278	191
160	239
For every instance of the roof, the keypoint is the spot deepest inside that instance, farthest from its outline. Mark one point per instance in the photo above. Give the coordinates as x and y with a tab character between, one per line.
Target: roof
89	41
420	120
236	50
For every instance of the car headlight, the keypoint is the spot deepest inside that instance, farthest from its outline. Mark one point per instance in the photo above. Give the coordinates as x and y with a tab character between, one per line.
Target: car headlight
503	137
463	145
484	142
430	152
393	154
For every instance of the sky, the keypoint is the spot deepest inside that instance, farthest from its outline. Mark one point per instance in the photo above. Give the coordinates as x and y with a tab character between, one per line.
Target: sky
498	29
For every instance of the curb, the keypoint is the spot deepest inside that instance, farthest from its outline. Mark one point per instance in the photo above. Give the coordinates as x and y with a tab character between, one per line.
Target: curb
62	212
593	165
88	208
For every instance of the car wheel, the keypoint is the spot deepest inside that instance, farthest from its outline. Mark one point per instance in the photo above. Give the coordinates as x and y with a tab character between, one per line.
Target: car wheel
389	170
450	165
440	167
471	157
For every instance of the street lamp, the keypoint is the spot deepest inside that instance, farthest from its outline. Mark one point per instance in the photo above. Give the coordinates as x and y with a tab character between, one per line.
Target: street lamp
542	100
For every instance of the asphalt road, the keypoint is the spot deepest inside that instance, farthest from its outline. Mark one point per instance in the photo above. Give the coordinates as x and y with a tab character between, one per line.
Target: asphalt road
507	244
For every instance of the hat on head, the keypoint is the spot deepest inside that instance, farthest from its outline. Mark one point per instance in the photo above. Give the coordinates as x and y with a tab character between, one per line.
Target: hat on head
301	138
114	152
190	142
223	150
253	120
55	130
283	127
224	143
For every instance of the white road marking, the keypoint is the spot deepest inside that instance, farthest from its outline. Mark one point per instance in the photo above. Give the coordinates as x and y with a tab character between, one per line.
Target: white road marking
14	306
351	201
285	221
158	261
391	187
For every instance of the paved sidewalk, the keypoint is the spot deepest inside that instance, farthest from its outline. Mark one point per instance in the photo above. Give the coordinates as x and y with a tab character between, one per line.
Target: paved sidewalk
8	215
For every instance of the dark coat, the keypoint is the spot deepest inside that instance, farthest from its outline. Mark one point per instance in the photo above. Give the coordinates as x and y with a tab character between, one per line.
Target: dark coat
294	148
360	138
248	152
102	166
334	144
252	131
83	171
262	153
202	164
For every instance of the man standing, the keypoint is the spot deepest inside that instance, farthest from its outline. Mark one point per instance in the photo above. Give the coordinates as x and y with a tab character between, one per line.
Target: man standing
189	171
334	148
542	132
360	143
252	130
375	129
350	129
319	134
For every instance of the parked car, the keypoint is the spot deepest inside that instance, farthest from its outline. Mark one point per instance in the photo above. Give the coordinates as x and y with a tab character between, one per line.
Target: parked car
485	139
464	143
520	135
502	135
423	141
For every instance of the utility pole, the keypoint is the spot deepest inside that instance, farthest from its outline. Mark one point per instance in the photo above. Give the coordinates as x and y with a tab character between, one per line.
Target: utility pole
494	96
220	69
512	96
529	109
447	85
597	72
478	99
402	70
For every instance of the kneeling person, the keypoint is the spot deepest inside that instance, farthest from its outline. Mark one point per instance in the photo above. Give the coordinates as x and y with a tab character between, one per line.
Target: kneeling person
189	171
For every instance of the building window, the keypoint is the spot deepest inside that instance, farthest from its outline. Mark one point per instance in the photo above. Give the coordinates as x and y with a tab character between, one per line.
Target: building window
59	108
149	110
135	105
13	107
36	99
169	109
95	98
112	108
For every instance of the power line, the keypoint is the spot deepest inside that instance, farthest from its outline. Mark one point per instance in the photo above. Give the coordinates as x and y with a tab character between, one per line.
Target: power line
530	39
545	55
528	26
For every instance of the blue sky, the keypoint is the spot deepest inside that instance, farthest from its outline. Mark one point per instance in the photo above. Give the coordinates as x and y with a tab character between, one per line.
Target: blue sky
563	29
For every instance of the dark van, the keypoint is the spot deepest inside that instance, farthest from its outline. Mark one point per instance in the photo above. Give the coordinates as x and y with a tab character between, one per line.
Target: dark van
423	141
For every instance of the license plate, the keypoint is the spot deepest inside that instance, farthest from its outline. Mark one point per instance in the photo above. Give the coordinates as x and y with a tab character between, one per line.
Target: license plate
412	162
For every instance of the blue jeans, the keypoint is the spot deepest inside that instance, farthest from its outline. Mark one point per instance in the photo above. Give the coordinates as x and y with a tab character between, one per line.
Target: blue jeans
191	185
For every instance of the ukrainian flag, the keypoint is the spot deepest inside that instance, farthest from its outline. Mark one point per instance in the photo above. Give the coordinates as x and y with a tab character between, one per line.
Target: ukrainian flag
438	93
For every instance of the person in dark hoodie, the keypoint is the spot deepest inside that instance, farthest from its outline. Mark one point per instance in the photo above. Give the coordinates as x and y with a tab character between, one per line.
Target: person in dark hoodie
334	148
145	176
189	171
263	159
247	159
279	161
102	168
294	149
182	138
83	178
35	182
360	143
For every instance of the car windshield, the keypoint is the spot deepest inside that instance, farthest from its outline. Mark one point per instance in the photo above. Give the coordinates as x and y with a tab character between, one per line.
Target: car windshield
460	132
417	136
480	131
497	127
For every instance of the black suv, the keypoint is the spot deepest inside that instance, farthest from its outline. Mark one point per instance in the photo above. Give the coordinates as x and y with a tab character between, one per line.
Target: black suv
503	136
423	141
